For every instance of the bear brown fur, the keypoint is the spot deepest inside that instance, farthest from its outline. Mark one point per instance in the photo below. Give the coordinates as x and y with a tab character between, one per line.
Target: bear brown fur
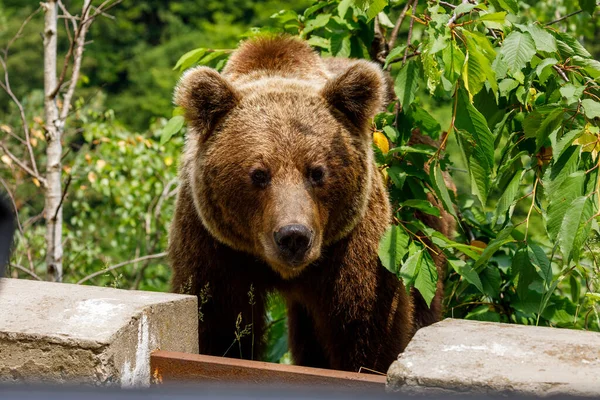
279	192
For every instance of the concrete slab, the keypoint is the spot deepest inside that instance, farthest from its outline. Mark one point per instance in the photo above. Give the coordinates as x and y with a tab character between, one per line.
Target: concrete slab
484	357
62	333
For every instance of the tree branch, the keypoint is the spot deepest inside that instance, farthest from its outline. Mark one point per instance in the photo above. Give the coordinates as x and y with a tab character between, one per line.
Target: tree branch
112	268
18	34
62	199
14	204
411	55
563	18
25	270
446	4
410	30
79	41
100	10
561	73
379	47
456	16
75	48
396	30
6	87
22	165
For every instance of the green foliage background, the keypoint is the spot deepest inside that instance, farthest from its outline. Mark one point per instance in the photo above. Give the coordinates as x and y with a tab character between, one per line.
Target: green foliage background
515	102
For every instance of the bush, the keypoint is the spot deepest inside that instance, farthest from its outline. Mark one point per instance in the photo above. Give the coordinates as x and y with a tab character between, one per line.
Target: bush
514	105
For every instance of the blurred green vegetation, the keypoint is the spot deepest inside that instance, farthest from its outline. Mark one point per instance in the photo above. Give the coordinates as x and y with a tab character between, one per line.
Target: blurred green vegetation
132	53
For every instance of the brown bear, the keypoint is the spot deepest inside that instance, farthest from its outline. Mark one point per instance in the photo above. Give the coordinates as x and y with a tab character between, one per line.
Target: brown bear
279	190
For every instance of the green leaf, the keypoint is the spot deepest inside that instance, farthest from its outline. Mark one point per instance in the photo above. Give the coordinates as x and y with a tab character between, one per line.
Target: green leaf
575	220
560	170
594	296
543	69
544	41
575	284
317	41
565	141
422	205
477	69
483	313
491	281
508	197
427	277
442	241
189	59
571	93
318	22
375	7
453	59
467	272
506	86
171	128
414	149
424	121
397	175
552	122
343	7
284	16
410	269
312	9
384	20
509	5
480	151
211	56
393	246
464	8
391	133
561	201
591	66
583	233
588	5
493	246
407	83
341	46
540	260
499	17
573	46
518	49
395	54
541	123
441	189
523	271
591	108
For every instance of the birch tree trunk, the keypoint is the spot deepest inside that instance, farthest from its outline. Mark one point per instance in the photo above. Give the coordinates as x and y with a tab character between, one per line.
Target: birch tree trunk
53	191
55	119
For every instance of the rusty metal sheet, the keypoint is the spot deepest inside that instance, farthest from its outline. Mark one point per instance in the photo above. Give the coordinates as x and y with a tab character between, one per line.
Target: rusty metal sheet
171	367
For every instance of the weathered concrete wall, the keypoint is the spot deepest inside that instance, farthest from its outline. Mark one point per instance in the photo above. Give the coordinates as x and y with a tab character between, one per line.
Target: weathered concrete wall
62	333
459	356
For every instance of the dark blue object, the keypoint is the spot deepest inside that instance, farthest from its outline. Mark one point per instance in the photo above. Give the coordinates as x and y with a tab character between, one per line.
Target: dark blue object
7	226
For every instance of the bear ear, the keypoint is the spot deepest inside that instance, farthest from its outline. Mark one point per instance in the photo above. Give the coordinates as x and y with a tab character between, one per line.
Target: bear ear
358	92
205	97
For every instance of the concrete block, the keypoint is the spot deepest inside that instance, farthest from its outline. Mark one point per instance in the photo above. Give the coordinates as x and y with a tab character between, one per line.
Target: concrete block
62	333
483	357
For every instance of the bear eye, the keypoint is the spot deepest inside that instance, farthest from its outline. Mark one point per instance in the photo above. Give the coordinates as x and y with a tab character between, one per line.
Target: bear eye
260	178
316	175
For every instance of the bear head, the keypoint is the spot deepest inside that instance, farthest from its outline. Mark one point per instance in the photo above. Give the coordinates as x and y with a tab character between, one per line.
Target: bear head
280	166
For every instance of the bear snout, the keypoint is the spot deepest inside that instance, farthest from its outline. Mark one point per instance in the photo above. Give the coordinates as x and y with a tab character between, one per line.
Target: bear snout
293	241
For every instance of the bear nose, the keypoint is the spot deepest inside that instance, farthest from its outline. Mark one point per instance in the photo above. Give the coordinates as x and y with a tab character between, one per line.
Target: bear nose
293	241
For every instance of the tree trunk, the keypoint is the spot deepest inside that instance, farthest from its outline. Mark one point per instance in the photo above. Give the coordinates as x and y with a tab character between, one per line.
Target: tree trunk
53	192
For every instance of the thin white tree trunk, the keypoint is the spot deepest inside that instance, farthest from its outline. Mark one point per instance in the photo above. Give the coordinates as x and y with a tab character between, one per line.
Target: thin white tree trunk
53	194
55	124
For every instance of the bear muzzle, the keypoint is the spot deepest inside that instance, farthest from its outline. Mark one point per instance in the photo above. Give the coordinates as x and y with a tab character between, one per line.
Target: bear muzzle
293	242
